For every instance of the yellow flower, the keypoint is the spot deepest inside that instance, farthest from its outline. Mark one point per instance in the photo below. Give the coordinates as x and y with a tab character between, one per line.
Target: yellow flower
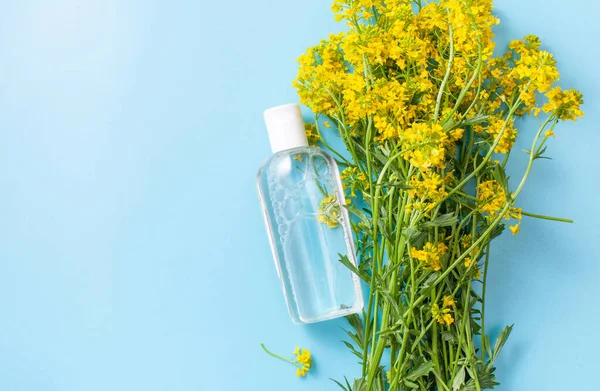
491	197
465	241
442	315
565	105
354	180
514	229
329	211
304	357
430	255
449	301
304	360
517	214
426	145
427	190
468	261
498	125
447	319
312	135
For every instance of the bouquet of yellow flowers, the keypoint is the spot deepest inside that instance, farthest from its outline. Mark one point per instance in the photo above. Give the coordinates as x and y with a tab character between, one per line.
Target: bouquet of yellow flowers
428	115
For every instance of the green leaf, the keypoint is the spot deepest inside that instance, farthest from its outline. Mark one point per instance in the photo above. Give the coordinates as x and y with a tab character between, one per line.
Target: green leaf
340	384
419	371
346	262
459	379
362	216
448	336
445	220
359	385
500	341
410	233
410	384
434	276
487	380
488	347
356	323
540	154
495	232
353	349
499	175
386	295
477	119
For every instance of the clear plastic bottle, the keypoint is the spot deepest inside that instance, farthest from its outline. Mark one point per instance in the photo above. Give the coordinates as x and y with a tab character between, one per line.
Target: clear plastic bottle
302	197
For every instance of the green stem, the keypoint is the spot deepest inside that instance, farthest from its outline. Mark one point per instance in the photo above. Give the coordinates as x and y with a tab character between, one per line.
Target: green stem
488	156
277	356
447	75
483	290
559	219
434	346
531	157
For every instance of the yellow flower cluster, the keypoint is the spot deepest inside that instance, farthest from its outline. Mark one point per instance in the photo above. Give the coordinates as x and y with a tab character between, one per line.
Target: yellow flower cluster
427	145
491	197
505	129
387	68
304	360
430	255
353	180
425	191
329	211
535	68
565	105
312	135
442	315
466	241
517	214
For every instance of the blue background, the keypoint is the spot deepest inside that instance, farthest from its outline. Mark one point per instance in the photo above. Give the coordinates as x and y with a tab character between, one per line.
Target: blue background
132	249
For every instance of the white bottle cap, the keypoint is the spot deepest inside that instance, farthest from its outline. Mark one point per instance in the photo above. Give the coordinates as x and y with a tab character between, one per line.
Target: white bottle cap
285	127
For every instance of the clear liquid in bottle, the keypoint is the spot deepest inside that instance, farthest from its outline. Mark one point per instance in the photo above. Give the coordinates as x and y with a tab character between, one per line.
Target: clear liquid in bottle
309	230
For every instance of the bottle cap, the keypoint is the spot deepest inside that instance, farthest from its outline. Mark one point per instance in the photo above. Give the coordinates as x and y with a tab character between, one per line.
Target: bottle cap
285	127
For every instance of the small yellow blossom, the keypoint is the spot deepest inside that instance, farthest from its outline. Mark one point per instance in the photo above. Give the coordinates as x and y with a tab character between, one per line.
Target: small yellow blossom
565	105
468	261
353	179
491	197
449	301
442	315
329	211
430	255
517	214
426	191
514	229
466	241
302	360
312	135
505	130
